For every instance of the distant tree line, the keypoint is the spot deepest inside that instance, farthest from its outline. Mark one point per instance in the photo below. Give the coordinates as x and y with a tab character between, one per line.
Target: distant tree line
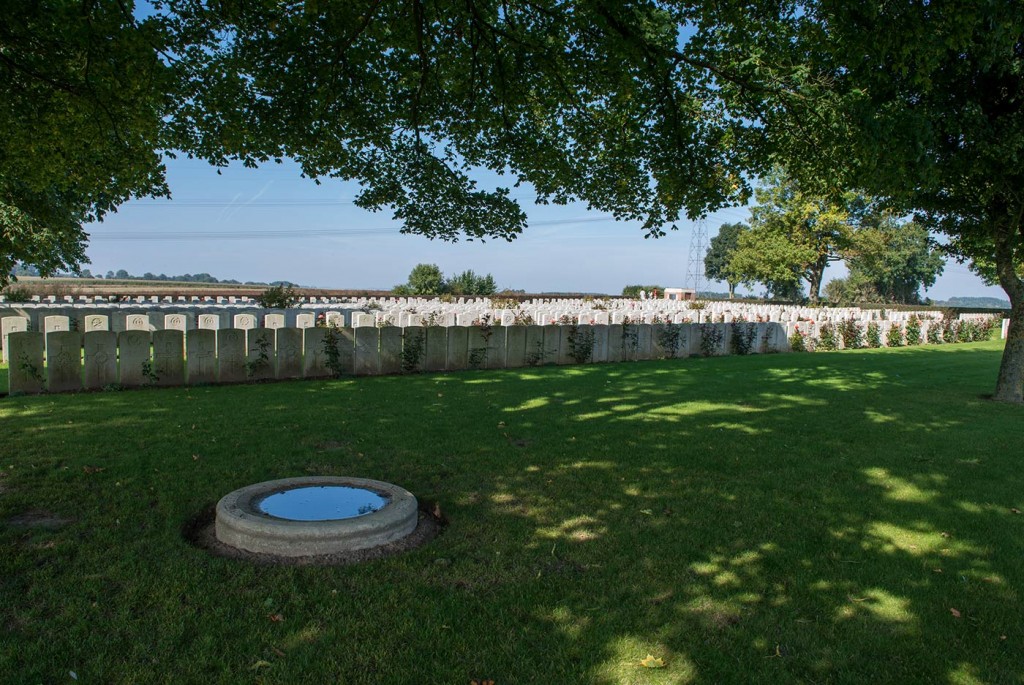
634	290
428	280
123	275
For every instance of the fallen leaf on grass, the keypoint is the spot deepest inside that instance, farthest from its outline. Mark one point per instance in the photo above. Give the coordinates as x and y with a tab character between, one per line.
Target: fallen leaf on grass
260	664
1015	510
277	651
945	534
93	469
956	614
481	682
651	661
275	618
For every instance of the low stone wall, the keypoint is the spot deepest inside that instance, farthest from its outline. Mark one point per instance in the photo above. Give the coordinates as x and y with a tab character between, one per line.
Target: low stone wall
66	361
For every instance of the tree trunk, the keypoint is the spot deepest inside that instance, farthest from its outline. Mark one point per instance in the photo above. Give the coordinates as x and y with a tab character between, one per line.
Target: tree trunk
815	274
1010	385
732	289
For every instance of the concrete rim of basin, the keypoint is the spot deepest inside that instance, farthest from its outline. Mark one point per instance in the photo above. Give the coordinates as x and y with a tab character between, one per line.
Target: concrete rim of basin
240	524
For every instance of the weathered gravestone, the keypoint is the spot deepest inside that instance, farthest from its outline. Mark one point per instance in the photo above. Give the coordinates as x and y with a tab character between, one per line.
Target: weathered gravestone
568	339
314	360
515	346
305	320
458	348
168	357
64	360
496	347
230	355
100	359
390	350
273	321
26	373
645	341
367	351
536	354
134	365
615	341
201	356
600	351
477	346
436	356
289	352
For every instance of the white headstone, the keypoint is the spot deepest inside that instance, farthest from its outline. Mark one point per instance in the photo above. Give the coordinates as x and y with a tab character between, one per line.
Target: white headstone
245	321
97	322
8	325
137	322
209	321
176	322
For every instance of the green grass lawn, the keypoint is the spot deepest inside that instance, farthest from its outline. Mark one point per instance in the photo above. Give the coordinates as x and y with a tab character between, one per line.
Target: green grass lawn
822	518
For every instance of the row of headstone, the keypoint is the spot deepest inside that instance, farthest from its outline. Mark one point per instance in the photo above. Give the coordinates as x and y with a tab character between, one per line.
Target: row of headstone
62	361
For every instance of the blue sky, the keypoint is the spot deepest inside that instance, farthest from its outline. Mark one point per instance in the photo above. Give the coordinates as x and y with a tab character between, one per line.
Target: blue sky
270	224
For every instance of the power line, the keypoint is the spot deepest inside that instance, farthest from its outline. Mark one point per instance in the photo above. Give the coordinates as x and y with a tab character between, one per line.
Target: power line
294	232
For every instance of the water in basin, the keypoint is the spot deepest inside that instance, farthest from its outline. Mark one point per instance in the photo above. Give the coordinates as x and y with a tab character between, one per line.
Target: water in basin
322	503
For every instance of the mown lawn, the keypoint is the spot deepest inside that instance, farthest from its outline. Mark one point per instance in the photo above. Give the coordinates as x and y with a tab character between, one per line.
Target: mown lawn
845	517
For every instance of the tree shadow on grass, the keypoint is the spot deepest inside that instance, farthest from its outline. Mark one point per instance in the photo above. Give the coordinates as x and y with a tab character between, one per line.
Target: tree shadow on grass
808	518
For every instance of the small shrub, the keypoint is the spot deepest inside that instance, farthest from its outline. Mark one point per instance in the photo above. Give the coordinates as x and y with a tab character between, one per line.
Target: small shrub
630	337
852	334
934	334
828	337
478	355
262	360
581	343
149	372
536	356
670	338
797	341
278	297
914	330
332	354
894	338
710	339
17	294
950	327
742	339
413	347
873	338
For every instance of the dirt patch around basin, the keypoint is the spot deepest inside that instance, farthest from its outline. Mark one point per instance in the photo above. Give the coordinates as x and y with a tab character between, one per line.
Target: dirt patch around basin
199	531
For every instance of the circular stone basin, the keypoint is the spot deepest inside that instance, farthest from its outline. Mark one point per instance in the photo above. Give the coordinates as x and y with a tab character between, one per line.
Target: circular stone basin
316	515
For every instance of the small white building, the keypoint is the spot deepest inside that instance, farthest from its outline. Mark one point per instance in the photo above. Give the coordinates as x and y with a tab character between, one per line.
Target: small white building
679	294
